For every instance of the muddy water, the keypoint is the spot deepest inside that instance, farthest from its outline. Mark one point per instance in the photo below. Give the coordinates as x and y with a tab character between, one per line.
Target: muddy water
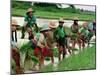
41	22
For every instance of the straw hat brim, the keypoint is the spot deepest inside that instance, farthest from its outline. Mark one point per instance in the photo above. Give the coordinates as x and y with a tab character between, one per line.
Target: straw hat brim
45	29
15	25
75	18
30	11
51	26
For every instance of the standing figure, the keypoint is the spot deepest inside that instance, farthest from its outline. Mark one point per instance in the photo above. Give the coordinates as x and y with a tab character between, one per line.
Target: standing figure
60	37
74	30
29	23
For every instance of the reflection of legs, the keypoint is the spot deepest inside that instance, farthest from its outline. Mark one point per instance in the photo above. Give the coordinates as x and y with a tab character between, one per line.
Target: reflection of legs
79	43
73	43
22	59
41	61
60	51
52	59
68	46
51	55
83	42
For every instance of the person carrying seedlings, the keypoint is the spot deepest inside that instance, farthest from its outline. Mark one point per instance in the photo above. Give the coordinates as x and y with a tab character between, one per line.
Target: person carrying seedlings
60	37
29	23
43	50
14	27
74	31
83	31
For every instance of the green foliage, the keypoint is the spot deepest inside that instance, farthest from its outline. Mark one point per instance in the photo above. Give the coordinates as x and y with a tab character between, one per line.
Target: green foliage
28	50
25	47
74	49
34	59
55	51
13	66
83	60
20	4
49	11
86	59
47	58
47	68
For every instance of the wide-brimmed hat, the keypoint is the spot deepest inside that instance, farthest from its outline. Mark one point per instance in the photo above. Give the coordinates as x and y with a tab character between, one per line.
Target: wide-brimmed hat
52	24
14	23
85	24
30	10
76	18
45	28
61	20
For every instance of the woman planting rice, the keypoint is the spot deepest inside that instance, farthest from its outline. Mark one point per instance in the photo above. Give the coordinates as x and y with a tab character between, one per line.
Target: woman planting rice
43	48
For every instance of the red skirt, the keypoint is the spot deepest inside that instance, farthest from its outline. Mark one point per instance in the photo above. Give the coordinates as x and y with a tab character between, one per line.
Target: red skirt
44	51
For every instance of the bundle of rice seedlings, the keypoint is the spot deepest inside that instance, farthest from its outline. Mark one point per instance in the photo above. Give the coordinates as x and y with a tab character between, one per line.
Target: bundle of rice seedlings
25	47
74	49
35	59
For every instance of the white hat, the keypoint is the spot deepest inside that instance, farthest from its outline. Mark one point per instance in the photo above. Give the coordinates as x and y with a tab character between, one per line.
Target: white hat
52	24
14	23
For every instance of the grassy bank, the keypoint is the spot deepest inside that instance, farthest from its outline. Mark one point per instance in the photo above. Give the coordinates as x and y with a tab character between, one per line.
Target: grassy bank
83	61
50	12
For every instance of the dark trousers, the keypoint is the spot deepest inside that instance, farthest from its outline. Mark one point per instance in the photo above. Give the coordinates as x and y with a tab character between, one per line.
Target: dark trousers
23	32
14	37
62	43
